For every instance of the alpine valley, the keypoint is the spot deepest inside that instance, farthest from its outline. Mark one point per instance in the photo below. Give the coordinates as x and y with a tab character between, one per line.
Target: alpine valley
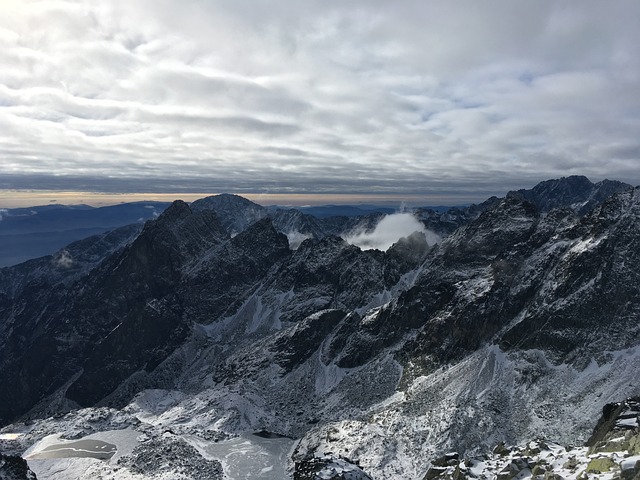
224	339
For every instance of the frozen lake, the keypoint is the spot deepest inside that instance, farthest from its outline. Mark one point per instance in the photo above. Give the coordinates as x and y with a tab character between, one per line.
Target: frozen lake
252	456
82	448
249	456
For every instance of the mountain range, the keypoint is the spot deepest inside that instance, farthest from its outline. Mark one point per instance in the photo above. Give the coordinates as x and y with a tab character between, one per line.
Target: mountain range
27	233
222	318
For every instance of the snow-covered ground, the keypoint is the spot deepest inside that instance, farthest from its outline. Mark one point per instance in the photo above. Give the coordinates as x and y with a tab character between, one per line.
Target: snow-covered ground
249	456
77	466
471	406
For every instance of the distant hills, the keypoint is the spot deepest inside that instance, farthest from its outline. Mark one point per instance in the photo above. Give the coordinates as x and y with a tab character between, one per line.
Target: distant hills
33	232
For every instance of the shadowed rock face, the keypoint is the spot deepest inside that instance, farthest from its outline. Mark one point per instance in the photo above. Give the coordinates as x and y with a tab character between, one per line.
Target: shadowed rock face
590	298
576	191
177	279
132	311
13	467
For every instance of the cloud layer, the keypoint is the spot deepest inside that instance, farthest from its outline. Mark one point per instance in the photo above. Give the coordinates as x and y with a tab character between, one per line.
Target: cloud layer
317	96
389	230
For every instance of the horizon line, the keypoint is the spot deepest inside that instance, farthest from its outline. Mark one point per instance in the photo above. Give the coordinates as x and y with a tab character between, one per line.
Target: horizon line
19	198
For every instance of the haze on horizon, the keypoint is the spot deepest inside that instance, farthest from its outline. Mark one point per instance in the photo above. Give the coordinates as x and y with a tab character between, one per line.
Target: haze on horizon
426	99
31	198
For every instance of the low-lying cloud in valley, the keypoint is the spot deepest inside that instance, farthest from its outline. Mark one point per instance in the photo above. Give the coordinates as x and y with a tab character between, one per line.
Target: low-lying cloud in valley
389	230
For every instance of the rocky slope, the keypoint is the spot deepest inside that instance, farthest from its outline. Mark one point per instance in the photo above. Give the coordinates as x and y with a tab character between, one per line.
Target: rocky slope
613	451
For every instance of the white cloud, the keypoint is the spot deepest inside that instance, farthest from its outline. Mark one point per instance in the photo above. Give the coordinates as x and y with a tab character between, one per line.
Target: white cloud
295	238
412	96
389	230
63	259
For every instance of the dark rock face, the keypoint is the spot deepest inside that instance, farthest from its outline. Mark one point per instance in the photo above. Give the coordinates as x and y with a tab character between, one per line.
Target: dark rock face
174	291
286	349
218	282
595	278
132	311
15	468
235	213
619	423
575	191
139	301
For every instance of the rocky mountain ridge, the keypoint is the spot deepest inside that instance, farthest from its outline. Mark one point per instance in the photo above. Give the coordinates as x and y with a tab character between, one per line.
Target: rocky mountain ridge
383	358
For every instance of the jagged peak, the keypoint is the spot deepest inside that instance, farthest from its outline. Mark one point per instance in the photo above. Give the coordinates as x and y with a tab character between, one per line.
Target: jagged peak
575	191
262	231
178	209
614	206
235	213
415	241
224	200
329	242
574	184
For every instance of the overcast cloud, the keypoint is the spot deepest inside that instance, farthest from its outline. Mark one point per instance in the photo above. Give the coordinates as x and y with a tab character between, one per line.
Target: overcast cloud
317	96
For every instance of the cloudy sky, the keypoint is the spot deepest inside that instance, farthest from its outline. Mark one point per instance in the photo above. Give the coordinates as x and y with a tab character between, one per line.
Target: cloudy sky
424	98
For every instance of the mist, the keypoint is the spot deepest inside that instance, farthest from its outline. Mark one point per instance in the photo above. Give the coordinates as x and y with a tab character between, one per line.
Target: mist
389	230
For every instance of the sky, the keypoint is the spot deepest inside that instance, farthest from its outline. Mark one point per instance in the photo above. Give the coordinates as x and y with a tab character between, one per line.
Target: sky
447	101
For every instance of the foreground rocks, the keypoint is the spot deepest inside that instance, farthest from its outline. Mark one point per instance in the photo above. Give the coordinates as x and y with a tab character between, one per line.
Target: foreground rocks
613	452
15	468
159	456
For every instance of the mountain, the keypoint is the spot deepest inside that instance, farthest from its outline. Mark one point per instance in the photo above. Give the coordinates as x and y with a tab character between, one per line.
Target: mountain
445	221
205	325
576	192
27	233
